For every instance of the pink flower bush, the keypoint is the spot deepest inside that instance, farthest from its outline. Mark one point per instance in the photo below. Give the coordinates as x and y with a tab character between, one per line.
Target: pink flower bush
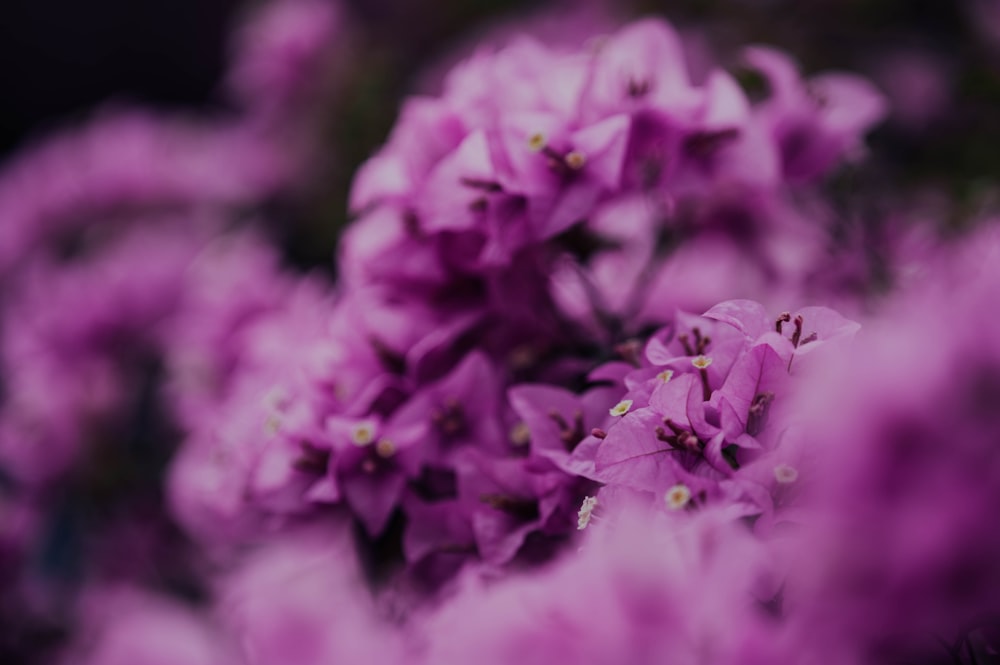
581	391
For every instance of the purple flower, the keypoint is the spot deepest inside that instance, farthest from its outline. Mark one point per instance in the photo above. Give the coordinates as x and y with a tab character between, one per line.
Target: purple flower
898	558
301	601
640	593
438	531
709	418
258	452
505	501
73	344
471	179
282	54
462	409
122	626
371	462
229	288
124	166
817	123
555	422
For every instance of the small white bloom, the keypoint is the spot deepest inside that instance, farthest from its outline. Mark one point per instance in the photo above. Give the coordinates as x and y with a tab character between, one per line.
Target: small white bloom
520	434
665	375
586	511
363	433
786	474
385	448
575	160
621	408
677	496
701	362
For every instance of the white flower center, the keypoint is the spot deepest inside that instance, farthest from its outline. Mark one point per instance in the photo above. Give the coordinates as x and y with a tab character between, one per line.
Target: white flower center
621	408
786	474
363	433
586	511
520	434
665	375
385	448
701	362
575	160
677	496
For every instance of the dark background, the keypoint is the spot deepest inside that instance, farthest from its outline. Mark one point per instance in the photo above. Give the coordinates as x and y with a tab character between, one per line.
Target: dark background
61	57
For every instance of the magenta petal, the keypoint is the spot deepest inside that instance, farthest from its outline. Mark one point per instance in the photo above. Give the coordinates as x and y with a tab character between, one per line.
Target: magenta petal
534	403
827	323
761	370
729	420
528	173
499	536
632	456
727	105
657	351
324	490
781	72
852	103
615	371
457	181
604	145
431	527
713	454
373	497
670	400
572	206
747	316
648	54
381	177
581	460
697	416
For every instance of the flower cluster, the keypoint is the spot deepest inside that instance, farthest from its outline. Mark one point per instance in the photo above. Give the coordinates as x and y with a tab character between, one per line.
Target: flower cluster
594	167
849	524
709	418
512	239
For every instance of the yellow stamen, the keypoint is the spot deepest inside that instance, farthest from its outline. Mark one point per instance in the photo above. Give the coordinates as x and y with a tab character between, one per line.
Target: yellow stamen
363	433
520	434
385	448
575	160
